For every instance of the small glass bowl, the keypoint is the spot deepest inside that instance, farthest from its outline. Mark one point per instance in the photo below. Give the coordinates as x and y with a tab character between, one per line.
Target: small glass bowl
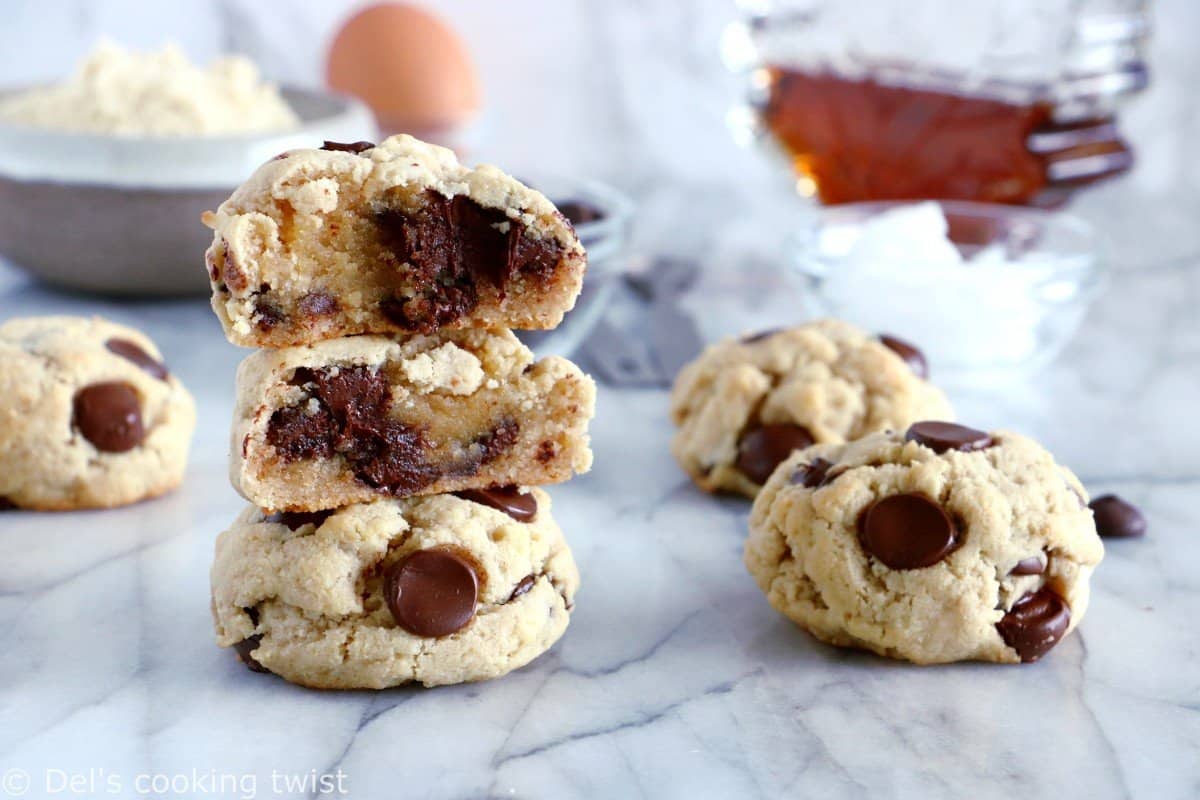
1004	314
605	240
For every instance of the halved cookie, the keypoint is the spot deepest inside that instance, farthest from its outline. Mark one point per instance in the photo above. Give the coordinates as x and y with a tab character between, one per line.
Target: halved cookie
398	237
350	420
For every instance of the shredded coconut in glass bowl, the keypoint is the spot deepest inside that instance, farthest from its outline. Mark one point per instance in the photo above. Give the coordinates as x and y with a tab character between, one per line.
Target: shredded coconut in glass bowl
125	93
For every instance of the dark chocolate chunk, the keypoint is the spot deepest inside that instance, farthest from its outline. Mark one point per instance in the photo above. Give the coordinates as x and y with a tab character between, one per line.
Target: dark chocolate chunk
943	436
298	519
521	506
907	531
318	304
7	505
347	147
303	376
1117	519
812	475
910	354
1035	624
1033	565
245	652
267	316
109	415
228	268
491	445
762	449
761	335
352	420
296	433
390	456
524	586
432	592
452	246
578	212
131	352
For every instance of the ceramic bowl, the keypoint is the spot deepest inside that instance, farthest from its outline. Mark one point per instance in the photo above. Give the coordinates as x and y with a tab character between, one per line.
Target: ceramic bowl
121	215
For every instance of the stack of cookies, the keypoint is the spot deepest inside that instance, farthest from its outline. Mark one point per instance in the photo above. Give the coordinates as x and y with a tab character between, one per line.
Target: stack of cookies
388	431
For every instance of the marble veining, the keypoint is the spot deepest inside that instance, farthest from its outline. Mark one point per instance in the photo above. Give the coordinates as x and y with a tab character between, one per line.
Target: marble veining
675	678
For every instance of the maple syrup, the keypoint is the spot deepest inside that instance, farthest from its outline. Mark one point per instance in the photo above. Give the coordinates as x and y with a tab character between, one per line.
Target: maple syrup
870	138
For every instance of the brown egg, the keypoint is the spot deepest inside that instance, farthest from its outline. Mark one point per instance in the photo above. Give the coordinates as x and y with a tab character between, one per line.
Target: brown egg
408	66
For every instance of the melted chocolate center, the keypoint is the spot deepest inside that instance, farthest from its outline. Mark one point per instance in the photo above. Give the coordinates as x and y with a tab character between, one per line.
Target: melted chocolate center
351	419
453	244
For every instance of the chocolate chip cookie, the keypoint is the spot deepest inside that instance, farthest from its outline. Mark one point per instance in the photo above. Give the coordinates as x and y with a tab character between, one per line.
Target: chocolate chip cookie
90	417
394	238
744	405
351	420
441	589
933	544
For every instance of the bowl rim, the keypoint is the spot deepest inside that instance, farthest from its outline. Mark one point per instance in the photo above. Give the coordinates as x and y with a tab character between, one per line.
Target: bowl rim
1084	259
345	103
32	153
602	238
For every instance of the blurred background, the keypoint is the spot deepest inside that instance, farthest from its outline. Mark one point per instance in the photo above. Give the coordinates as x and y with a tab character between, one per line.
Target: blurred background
630	91
649	100
725	123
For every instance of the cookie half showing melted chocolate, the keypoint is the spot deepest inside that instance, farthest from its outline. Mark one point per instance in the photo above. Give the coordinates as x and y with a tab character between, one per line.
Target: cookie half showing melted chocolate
409	241
463	411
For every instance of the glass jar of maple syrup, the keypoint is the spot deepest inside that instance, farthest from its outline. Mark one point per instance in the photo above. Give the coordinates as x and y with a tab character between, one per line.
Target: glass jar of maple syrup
1008	101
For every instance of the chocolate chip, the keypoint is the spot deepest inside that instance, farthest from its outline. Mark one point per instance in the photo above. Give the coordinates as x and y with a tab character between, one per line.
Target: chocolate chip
452	246
352	420
131	352
491	445
109	416
579	212
318	304
1117	519
908	353
907	531
245	652
234	275
810	476
1033	565
522	587
267	316
7	505
1035	624
762	449
348	147
942	436
298	519
758	337
521	506
432	592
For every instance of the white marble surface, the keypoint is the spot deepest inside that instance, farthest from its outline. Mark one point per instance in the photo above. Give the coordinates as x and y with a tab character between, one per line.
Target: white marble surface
675	678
